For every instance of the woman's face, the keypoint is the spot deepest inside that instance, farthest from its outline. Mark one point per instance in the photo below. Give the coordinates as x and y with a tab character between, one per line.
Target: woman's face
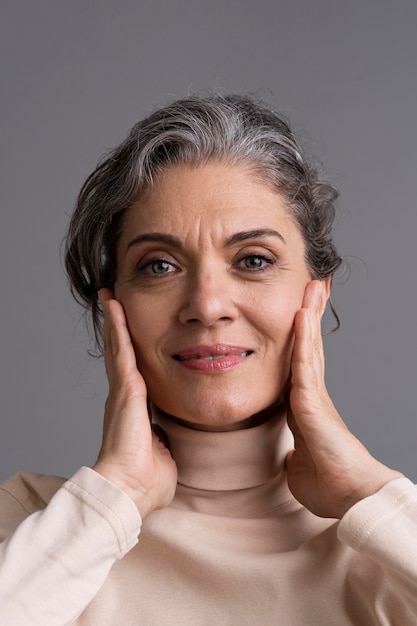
211	272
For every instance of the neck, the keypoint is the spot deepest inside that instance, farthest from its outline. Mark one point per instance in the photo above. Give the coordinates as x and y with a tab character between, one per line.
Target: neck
242	457
232	473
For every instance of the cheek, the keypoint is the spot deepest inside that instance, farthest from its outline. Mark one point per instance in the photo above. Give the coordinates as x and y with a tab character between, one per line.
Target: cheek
278	315
278	312
141	322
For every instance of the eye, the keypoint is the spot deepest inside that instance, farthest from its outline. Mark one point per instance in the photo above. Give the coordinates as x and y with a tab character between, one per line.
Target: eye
157	267
255	262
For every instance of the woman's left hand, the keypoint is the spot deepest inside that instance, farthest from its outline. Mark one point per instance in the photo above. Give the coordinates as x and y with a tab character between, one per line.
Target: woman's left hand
329	470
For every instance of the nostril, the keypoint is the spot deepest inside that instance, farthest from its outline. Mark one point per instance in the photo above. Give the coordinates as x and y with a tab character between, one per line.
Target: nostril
208	311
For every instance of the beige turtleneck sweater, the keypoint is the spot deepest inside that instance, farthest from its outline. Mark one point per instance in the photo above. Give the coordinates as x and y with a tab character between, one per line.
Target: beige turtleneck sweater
234	547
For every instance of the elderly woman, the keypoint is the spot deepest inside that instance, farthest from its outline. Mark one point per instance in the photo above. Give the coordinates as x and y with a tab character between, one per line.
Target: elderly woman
204	242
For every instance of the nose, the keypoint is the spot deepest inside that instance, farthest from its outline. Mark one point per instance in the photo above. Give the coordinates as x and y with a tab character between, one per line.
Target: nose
208	299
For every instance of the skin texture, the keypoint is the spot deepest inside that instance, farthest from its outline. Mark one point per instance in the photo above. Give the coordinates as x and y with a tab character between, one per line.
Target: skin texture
201	288
211	292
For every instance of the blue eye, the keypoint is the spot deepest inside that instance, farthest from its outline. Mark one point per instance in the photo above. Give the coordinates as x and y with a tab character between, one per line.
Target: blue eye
254	262
158	266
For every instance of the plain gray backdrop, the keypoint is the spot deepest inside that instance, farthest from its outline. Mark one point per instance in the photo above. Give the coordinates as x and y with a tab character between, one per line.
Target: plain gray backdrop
76	75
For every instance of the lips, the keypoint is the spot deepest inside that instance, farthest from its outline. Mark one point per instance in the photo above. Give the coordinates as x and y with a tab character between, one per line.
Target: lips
211	353
212	359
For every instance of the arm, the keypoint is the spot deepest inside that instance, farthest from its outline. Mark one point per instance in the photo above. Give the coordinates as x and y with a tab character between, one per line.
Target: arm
384	527
333	475
57	559
132	455
329	470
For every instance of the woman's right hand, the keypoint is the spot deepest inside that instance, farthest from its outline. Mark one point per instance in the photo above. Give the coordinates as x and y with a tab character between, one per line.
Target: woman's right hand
132	456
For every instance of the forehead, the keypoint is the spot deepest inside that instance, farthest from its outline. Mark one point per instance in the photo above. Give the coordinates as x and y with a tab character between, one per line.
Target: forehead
212	199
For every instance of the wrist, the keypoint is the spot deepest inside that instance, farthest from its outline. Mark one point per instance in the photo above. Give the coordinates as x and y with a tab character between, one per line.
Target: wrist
140	498
375	480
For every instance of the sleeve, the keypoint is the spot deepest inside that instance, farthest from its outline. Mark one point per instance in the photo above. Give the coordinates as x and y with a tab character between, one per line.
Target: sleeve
384	527
57	559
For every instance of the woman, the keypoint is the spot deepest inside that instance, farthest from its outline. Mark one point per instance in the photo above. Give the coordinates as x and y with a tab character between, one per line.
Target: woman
206	237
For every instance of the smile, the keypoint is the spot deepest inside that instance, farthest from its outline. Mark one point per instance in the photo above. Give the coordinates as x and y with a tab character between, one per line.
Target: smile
212	359
213	352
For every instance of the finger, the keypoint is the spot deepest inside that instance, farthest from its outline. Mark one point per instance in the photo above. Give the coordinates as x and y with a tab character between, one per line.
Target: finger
119	352
307	367
104	296
314	303
315	296
302	358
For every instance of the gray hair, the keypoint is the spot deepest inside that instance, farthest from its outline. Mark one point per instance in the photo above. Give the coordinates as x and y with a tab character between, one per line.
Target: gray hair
232	129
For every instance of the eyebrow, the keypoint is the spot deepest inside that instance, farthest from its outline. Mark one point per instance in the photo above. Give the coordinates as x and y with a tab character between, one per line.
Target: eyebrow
254	234
157	237
176	242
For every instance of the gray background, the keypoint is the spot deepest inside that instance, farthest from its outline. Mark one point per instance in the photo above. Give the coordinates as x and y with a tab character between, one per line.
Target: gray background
76	75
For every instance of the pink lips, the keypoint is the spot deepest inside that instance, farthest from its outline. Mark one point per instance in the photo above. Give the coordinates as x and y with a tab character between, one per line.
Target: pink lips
211	359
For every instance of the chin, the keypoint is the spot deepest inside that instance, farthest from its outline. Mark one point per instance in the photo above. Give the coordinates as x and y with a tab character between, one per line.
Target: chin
215	413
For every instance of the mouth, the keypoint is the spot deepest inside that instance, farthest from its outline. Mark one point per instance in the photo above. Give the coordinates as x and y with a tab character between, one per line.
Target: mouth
214	359
211	353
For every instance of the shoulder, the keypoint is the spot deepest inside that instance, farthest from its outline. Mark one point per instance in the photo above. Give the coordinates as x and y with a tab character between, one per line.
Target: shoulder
28	491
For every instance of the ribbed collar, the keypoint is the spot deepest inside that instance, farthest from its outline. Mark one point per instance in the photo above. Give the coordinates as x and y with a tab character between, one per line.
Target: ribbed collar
221	466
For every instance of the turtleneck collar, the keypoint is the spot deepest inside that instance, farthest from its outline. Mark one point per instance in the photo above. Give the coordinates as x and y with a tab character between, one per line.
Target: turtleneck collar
221	465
